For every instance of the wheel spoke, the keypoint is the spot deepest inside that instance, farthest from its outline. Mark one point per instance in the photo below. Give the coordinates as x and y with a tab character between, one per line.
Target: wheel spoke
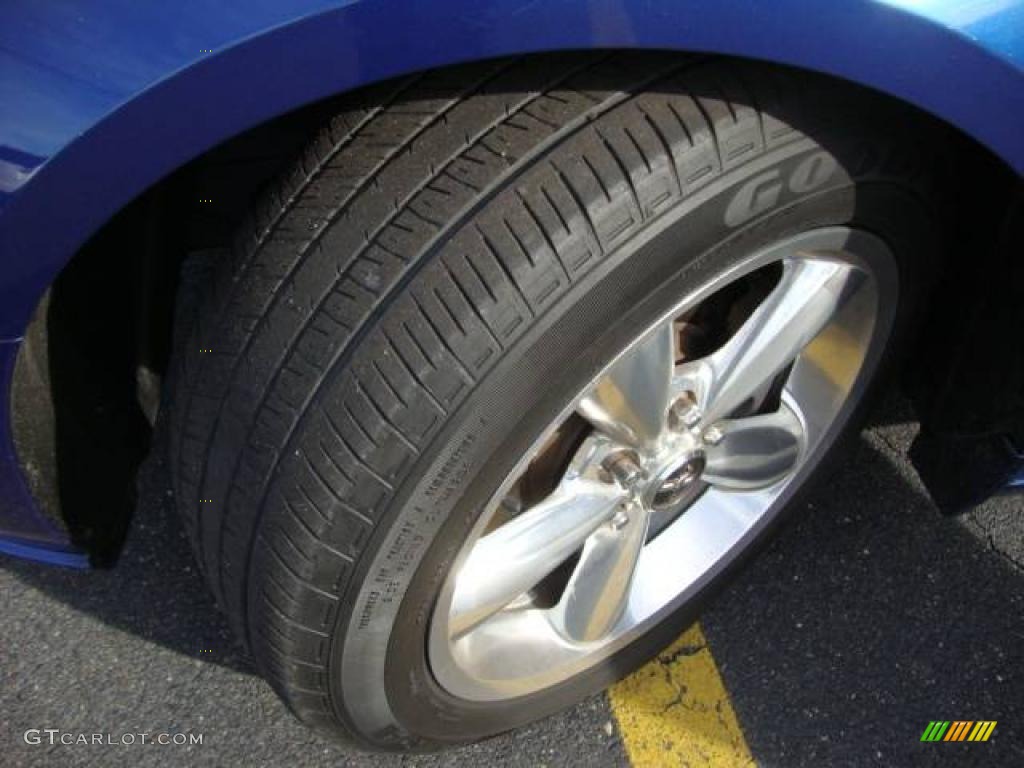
807	297
756	451
598	590
509	561
630	402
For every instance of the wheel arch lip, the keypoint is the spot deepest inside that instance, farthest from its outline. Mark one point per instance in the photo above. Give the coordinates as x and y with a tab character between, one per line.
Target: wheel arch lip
126	130
135	91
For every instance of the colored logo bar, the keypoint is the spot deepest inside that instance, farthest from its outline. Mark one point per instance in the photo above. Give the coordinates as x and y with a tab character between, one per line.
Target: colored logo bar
958	730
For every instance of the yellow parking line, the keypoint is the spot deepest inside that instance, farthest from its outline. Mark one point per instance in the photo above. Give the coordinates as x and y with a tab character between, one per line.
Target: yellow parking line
675	711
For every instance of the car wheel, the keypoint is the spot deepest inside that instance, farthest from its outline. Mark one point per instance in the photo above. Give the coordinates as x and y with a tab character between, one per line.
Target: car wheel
521	359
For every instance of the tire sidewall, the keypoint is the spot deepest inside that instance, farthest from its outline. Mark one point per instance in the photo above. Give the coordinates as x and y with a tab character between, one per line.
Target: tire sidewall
381	684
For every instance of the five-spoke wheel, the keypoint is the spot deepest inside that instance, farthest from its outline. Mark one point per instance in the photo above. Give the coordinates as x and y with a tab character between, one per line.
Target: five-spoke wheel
675	459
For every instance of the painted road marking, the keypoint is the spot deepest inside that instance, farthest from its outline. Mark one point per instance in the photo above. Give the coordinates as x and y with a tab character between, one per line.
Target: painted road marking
675	711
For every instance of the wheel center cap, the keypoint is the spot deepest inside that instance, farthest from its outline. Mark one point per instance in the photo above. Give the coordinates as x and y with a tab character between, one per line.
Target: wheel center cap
673	483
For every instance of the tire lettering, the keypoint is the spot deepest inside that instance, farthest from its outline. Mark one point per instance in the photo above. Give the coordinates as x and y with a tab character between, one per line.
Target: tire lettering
756	196
764	191
813	171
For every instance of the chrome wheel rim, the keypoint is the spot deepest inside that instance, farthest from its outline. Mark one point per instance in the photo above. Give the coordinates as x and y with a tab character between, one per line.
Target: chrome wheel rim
682	463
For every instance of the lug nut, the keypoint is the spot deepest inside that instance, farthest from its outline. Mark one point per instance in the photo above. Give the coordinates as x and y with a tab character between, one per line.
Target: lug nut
713	435
621	520
684	413
624	468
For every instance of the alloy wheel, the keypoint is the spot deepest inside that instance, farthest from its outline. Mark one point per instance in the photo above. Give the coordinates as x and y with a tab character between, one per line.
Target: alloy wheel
673	461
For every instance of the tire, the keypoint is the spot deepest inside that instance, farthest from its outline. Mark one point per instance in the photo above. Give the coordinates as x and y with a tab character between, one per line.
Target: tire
451	260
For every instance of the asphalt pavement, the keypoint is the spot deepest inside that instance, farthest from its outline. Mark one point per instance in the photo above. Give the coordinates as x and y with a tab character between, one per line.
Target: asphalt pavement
868	617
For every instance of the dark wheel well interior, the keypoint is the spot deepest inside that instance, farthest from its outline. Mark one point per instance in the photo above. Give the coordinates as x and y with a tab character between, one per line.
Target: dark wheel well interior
88	380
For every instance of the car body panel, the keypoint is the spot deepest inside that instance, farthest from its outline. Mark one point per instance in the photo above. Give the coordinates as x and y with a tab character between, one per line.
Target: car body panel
100	100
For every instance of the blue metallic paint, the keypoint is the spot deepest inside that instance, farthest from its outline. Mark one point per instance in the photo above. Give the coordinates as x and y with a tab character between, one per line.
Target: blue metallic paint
100	100
67	557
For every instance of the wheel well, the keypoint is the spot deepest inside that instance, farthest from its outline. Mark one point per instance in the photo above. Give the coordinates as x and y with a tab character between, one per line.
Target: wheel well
87	384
